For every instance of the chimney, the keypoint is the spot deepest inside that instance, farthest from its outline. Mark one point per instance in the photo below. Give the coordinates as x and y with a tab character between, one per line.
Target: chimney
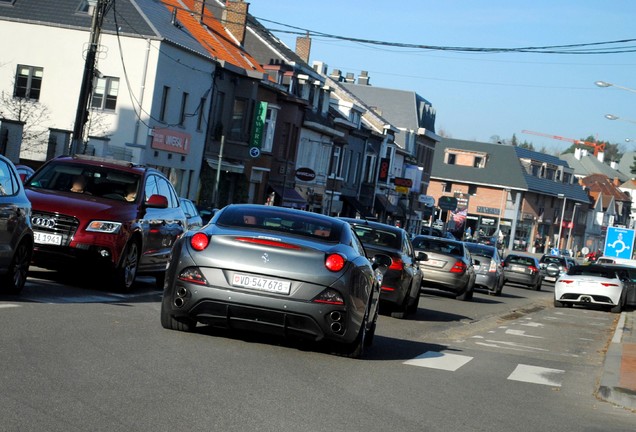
198	9
613	164
319	67
350	78
303	47
336	75
363	79
601	156
236	18
577	153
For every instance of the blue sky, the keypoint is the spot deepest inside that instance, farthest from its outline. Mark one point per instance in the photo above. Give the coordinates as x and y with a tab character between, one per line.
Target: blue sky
480	95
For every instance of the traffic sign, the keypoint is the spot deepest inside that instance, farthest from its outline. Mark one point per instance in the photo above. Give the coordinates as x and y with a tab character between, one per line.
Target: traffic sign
447	203
619	243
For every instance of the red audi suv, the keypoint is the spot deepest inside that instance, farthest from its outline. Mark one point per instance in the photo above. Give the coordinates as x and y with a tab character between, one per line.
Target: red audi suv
101	214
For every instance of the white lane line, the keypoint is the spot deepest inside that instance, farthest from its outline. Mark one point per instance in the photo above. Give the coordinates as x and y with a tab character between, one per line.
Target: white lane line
532	324
8	305
511	345
439	360
521	333
537	375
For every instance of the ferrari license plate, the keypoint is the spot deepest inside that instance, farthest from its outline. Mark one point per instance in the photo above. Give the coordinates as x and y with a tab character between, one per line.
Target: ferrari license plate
261	283
46	238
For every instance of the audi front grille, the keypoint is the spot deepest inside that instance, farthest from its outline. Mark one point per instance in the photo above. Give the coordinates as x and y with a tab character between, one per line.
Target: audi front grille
55	224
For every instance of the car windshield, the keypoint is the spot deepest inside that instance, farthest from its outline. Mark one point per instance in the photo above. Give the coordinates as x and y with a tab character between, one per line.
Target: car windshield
479	250
552	259
520	260
434	245
86	179
272	219
371	236
592	271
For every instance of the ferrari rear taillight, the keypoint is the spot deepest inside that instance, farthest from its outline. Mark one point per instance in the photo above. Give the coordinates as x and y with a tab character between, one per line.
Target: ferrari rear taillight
458	267
199	241
397	264
193	275
329	296
335	262
267	242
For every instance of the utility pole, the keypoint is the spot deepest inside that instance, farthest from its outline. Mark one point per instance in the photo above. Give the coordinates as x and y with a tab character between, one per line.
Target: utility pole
100	8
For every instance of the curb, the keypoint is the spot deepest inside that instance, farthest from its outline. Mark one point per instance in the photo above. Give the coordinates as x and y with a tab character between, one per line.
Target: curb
610	389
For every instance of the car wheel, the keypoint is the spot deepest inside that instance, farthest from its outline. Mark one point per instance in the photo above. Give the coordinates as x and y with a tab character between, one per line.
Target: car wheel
15	278
619	307
171	323
412	308
537	286
355	349
467	295
558	304
499	288
368	338
126	272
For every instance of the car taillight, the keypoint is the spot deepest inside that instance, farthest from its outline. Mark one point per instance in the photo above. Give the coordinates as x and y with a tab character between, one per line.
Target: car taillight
199	241
609	284
335	262
329	296
397	264
493	267
566	281
267	242
533	269
458	267
193	275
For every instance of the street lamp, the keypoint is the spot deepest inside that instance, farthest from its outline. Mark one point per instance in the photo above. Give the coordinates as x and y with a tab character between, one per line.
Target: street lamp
571	226
565	200
606	84
615	117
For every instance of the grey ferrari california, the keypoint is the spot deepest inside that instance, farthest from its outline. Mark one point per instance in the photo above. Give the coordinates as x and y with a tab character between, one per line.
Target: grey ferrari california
275	270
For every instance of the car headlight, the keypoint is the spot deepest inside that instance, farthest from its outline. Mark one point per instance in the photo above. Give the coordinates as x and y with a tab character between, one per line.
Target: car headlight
104	227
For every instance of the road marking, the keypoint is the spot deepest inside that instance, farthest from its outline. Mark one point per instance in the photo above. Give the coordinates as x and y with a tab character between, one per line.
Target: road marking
99	298
8	305
532	324
510	345
537	375
521	333
439	360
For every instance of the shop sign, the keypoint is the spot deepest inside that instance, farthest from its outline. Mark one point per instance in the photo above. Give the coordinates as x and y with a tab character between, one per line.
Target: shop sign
487	221
305	174
383	174
447	203
427	200
403	182
171	141
402	189
488	210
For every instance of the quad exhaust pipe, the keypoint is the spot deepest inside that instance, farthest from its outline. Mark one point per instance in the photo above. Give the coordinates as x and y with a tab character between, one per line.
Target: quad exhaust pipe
181	293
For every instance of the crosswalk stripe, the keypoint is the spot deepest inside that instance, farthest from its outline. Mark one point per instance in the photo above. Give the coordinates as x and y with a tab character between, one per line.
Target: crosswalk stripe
8	305
537	375
439	360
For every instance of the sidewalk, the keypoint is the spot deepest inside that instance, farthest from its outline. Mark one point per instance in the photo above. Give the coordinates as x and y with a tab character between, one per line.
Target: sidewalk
618	383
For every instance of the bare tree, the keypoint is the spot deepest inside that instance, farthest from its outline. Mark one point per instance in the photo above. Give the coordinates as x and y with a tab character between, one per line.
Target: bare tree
34	115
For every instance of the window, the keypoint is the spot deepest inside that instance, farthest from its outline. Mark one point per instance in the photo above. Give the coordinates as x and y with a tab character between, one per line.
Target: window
28	82
164	103
369	168
184	104
8	182
447	187
270	128
239	114
472	189
83	8
478	162
105	93
450	159
335	161
200	113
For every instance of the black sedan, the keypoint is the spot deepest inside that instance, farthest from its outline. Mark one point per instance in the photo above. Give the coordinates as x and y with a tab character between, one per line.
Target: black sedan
16	235
275	270
400	292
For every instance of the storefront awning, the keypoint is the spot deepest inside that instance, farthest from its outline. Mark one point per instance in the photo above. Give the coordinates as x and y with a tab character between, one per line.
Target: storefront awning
384	203
232	167
357	205
290	197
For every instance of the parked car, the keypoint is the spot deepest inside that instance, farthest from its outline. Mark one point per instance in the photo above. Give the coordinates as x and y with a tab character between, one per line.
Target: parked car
81	217
553	266
193	218
275	270
490	269
16	235
24	171
400	293
611	286
523	270
447	266
613	260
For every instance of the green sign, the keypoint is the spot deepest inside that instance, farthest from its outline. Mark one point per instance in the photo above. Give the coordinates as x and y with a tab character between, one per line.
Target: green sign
259	125
447	203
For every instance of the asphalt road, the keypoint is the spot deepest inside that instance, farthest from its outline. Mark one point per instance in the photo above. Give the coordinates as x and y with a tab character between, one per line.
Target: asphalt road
78	359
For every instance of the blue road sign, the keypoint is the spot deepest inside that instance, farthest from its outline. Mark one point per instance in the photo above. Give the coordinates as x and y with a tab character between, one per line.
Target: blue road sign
619	242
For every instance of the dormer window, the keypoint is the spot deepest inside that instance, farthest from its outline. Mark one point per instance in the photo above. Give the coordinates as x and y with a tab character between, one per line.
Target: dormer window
450	158
478	162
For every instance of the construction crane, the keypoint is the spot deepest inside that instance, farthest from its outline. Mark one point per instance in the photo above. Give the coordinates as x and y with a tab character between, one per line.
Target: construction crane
598	147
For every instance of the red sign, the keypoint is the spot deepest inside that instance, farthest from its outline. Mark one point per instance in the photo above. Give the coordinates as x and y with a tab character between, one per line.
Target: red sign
172	141
402	181
385	163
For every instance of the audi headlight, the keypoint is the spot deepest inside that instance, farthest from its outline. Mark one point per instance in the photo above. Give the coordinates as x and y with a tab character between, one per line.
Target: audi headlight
104	227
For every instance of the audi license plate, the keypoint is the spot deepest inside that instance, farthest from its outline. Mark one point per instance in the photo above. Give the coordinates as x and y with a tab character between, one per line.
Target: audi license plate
261	283
46	238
